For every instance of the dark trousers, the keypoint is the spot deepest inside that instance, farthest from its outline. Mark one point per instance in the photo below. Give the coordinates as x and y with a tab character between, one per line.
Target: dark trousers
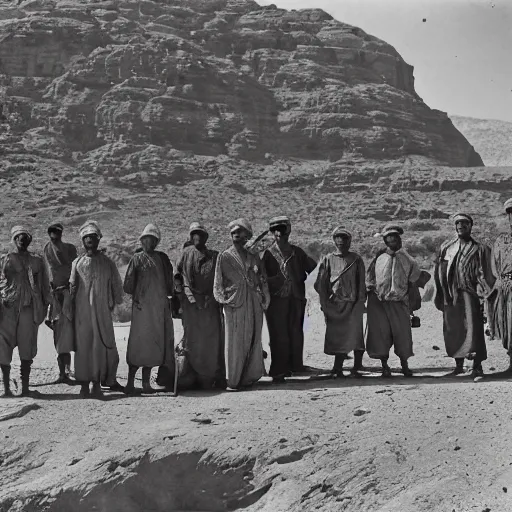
285	320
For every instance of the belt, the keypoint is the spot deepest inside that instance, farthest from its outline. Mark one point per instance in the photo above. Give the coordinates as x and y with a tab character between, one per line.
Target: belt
507	276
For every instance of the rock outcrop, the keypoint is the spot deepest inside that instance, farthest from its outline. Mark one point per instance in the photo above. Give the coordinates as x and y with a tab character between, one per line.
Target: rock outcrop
211	77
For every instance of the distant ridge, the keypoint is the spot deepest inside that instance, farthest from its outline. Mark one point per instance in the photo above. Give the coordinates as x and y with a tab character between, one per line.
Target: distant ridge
490	137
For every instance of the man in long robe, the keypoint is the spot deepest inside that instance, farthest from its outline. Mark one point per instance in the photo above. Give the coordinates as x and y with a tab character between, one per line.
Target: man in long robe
96	287
25	297
287	267
500	299
201	313
388	315
341	288
463	276
149	280
59	256
241	287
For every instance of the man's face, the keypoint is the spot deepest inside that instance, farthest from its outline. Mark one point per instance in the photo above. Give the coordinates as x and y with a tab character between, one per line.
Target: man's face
280	233
239	236
393	241
198	239
149	243
463	228
509	215
22	241
342	243
91	242
55	235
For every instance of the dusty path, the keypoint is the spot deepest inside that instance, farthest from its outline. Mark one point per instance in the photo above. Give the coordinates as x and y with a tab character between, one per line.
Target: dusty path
424	444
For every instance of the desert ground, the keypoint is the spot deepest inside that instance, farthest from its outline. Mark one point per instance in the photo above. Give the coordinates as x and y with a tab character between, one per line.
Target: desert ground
430	443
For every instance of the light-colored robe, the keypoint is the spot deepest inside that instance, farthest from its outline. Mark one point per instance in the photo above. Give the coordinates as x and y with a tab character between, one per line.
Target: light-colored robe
149	280
500	299
96	287
389	324
242	288
342	301
25	297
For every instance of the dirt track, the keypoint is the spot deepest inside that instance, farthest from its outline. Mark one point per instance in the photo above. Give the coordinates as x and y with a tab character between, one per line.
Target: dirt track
424	444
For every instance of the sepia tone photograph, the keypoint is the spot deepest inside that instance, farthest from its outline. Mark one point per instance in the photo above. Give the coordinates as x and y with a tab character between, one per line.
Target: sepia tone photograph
255	255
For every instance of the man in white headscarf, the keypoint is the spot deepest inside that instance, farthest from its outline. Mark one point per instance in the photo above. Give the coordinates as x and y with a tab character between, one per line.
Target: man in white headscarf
24	295
96	287
241	286
149	280
202	314
387	281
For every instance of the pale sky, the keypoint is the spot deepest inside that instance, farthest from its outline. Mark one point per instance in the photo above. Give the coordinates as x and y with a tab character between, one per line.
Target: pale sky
462	54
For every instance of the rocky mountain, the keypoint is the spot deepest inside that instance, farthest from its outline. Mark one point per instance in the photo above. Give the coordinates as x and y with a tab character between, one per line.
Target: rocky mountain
119	86
490	137
136	111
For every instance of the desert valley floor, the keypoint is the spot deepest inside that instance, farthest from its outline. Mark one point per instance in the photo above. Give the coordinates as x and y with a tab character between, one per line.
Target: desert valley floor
423	444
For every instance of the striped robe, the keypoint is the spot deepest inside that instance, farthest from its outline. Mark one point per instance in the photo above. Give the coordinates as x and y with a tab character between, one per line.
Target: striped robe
460	283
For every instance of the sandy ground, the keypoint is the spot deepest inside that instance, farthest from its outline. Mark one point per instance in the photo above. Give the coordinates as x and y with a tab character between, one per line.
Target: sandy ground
430	443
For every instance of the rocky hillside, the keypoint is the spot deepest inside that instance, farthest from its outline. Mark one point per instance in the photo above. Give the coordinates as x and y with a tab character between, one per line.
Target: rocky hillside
137	111
490	137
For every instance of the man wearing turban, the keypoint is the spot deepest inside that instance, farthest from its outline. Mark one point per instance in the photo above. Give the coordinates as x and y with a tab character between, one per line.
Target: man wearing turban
96	287
25	295
149	280
387	282
342	291
59	256
287	267
241	287
500	300
463	277
202	314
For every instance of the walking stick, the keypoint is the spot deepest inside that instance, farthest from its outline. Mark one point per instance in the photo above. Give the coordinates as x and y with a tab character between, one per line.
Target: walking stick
176	371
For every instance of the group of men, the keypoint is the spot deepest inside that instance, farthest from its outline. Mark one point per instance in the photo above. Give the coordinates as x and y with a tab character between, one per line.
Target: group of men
223	299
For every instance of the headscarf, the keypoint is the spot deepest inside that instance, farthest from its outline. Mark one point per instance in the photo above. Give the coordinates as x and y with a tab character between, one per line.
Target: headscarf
151	230
20	230
241	223
197	227
341	231
462	216
57	226
90	227
508	205
282	220
392	229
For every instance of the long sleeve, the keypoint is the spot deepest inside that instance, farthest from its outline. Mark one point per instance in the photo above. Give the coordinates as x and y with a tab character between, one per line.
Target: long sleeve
218	283
184	268
322	279
116	283
361	282
73	252
169	274
415	272
130	278
44	285
486	275
310	264
47	263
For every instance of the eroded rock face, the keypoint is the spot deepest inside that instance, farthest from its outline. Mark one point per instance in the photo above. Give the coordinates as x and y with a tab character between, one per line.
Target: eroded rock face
212	77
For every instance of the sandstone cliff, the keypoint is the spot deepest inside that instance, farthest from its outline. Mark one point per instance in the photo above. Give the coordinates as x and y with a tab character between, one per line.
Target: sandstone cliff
211	77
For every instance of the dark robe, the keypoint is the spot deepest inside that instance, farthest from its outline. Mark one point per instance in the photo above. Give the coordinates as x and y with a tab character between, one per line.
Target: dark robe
201	315
286	278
